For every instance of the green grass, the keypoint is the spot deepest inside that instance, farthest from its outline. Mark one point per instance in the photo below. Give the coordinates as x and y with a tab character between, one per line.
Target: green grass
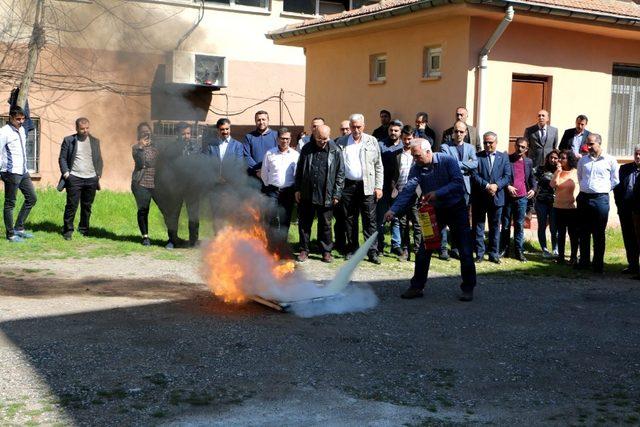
114	232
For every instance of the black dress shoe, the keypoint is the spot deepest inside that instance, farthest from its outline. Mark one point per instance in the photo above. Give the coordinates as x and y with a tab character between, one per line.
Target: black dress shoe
348	256
630	270
444	255
479	259
396	250
455	253
504	253
412	293
375	259
495	260
520	258
466	297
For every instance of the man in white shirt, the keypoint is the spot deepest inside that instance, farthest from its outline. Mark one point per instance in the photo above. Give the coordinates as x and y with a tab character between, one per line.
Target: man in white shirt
362	186
597	176
278	176
14	173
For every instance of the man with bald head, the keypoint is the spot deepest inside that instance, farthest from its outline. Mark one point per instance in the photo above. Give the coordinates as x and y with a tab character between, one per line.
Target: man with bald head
318	184
542	138
442	186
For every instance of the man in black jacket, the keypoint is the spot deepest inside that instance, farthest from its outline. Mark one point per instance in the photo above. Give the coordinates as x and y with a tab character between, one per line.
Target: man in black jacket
318	188
628	203
81	167
575	138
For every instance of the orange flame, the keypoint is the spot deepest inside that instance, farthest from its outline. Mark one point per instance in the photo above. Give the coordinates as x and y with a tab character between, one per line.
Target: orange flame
238	263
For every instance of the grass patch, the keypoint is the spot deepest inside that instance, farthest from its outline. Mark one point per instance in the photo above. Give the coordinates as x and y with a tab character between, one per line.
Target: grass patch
114	232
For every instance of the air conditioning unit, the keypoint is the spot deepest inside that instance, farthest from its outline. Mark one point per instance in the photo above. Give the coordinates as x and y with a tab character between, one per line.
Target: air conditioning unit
196	69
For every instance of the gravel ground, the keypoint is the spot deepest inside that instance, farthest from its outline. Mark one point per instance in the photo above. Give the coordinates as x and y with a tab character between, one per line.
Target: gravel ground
139	341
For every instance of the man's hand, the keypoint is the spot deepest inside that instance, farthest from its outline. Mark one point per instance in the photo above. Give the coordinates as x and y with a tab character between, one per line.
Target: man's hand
492	189
335	201
429	197
298	196
259	173
530	194
66	175
377	193
513	191
389	215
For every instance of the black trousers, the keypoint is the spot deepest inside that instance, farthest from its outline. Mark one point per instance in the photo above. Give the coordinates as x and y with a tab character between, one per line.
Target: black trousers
172	210
12	183
567	220
79	191
339	229
143	197
355	204
282	206
629	236
594	214
306	214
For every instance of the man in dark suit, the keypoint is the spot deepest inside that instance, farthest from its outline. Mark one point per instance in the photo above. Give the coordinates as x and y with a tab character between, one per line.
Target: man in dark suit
542	138
472	137
487	196
424	130
382	131
81	167
574	138
519	191
626	196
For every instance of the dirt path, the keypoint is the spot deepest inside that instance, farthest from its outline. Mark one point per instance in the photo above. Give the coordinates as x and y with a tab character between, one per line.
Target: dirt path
123	341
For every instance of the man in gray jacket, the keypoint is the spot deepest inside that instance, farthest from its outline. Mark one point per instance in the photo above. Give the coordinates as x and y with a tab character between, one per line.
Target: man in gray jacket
362	184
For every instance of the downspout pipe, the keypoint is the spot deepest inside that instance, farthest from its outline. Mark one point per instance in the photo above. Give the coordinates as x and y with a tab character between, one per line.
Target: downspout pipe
483	62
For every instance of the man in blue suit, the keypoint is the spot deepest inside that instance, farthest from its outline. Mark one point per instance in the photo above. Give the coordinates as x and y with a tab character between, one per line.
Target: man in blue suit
227	166
574	138
487	197
441	183
465	153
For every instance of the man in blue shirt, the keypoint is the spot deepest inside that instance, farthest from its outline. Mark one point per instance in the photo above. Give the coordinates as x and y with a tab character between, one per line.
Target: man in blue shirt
258	142
442	185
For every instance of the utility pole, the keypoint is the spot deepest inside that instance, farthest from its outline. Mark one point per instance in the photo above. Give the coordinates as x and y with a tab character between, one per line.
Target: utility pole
280	103
35	46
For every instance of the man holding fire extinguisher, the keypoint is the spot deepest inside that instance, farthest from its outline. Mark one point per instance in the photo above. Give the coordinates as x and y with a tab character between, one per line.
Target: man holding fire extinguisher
443	203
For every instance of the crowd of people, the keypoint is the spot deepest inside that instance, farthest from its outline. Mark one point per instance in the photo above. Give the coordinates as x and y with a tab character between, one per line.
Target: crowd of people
378	180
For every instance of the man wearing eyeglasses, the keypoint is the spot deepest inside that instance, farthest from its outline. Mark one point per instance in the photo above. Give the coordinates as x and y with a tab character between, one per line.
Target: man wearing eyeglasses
487	195
597	175
465	154
471	136
542	138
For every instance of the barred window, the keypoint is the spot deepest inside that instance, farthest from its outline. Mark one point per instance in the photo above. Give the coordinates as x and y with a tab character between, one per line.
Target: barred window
624	119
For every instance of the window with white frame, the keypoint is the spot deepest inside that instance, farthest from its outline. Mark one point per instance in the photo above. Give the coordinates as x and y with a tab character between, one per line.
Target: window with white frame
263	4
624	116
432	61
378	68
32	145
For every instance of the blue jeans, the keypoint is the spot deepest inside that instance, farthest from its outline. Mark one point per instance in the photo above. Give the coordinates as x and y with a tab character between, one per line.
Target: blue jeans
517	208
546	215
593	210
382	207
457	218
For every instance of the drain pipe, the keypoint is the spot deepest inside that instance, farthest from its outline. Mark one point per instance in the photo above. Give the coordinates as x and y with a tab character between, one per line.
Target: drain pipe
483	62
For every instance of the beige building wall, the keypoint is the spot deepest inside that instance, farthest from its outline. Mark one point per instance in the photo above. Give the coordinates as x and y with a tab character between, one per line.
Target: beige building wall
337	79
579	63
120	49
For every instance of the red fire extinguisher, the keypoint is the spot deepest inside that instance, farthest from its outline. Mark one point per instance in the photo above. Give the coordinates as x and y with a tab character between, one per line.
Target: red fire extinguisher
430	229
